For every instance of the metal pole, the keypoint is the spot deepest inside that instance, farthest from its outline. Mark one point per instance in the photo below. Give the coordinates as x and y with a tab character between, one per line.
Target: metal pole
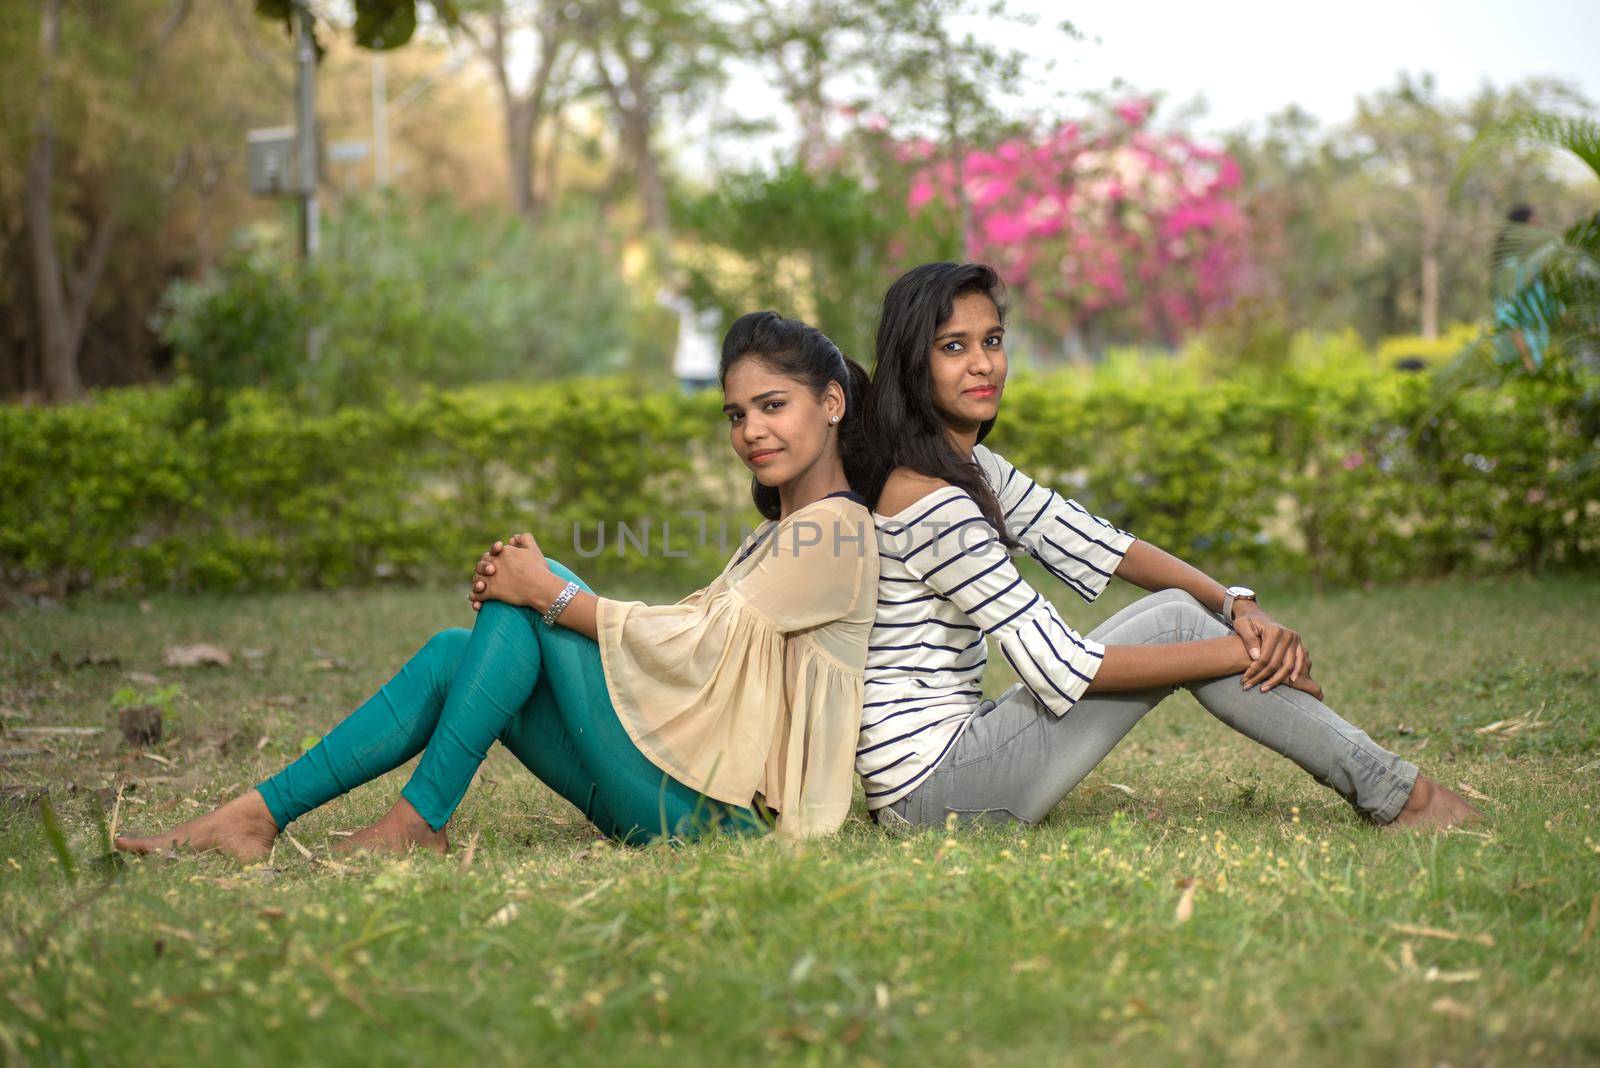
380	123
305	92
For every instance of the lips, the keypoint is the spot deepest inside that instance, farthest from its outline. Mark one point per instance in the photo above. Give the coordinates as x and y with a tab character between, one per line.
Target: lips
982	391
763	455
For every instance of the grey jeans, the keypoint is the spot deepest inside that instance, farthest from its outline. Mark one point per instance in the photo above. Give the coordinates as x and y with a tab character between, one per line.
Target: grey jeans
1016	760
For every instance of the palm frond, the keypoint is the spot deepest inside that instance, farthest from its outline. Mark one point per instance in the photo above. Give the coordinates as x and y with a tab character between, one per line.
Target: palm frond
1576	134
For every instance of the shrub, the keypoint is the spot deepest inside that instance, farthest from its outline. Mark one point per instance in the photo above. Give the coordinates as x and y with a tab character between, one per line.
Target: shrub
1343	471
401	296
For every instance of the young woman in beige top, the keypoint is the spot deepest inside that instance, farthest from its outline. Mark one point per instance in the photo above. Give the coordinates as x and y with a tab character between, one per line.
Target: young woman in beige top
739	703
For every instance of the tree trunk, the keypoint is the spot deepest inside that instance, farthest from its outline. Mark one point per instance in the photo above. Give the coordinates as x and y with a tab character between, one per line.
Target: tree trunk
958	168
638	121
58	349
1430	276
520	156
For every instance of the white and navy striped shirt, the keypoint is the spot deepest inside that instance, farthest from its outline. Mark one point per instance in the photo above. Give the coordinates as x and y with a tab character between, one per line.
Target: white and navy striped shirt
945	585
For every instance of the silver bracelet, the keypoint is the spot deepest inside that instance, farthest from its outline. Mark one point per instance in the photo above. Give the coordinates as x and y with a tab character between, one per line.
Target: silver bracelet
564	598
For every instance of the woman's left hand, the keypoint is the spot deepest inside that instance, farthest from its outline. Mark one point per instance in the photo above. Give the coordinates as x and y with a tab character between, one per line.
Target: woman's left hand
1276	652
514	572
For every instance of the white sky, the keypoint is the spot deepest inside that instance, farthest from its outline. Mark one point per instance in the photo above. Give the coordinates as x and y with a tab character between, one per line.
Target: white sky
1247	59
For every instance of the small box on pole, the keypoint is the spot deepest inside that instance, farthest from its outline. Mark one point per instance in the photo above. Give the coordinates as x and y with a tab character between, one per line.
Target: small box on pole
274	170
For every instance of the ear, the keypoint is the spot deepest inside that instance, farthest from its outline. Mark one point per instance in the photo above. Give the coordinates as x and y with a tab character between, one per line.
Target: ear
833	403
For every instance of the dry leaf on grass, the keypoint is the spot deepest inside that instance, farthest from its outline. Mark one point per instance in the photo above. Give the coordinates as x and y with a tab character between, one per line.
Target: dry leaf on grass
70	732
1185	908
504	915
1434	975
1475	795
1448	1006
1588	925
292	840
188	656
1527	721
1482	939
470	852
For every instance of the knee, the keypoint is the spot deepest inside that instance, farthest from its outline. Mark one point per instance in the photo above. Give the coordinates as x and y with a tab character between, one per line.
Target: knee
1185	613
442	653
447	644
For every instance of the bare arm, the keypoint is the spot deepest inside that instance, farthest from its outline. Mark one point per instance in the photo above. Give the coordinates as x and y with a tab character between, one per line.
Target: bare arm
1139	667
1276	653
1154	569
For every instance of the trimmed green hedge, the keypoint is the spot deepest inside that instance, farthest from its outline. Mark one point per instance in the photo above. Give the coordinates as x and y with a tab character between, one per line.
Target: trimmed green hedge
1346	475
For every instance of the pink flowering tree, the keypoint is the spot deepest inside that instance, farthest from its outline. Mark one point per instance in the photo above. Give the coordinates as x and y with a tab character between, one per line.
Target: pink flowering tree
1109	229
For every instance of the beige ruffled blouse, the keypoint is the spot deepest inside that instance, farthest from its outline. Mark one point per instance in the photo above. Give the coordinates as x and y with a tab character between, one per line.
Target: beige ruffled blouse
751	687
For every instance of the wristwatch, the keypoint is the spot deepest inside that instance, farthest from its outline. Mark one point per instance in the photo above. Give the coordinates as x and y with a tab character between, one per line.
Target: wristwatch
1232	594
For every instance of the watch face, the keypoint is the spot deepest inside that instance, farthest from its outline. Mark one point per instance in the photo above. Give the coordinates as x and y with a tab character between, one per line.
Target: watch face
1241	591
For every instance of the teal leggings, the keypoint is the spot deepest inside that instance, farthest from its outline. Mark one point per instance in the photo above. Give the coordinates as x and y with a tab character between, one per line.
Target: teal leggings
541	692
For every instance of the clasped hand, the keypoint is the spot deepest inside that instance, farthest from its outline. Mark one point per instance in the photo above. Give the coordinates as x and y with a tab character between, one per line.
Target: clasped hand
1277	655
512	572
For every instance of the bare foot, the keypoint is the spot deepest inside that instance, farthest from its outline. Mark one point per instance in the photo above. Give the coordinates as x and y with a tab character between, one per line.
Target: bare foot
1433	807
241	828
396	832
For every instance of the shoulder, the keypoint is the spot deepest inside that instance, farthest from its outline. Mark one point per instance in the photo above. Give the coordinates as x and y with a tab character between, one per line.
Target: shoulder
905	488
996	468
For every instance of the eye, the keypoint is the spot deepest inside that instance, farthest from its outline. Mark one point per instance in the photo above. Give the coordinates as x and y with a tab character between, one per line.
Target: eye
772	405
734	417
951	346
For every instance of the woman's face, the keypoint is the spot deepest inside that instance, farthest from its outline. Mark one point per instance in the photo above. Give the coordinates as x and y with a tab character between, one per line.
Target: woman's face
968	362
777	425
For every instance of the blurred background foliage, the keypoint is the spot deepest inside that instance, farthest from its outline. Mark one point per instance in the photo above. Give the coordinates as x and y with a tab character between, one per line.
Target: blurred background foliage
1349	299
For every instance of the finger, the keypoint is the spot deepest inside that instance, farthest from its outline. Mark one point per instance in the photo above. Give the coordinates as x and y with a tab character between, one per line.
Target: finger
1281	658
1277	676
496	547
479	586
1268	663
1299	663
1253	672
1250	632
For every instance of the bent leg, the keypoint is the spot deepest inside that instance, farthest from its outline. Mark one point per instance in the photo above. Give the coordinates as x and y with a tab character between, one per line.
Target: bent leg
385	731
538	738
643	802
498	672
1017	760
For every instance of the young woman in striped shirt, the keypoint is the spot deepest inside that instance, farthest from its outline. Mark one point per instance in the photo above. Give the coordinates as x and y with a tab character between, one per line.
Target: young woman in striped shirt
950	513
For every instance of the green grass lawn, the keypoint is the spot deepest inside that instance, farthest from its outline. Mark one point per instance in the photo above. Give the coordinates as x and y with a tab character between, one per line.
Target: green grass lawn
1314	938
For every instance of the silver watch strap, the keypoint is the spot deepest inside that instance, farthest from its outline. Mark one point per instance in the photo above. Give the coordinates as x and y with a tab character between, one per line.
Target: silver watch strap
559	605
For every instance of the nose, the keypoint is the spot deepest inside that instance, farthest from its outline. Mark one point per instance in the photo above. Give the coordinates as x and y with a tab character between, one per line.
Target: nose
981	364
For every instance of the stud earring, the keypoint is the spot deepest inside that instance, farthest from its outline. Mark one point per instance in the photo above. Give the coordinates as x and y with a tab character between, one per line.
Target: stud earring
835	419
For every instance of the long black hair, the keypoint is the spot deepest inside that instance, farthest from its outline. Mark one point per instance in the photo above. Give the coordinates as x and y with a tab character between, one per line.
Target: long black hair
902	424
800	351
